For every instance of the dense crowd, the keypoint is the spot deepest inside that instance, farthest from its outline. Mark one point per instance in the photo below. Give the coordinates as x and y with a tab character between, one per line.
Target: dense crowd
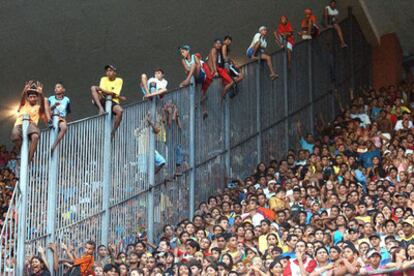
8	173
341	204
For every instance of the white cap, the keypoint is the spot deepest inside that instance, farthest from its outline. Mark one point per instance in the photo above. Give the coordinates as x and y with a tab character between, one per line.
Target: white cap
262	28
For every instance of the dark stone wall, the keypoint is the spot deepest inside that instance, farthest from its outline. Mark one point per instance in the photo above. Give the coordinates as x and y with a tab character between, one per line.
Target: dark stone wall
70	41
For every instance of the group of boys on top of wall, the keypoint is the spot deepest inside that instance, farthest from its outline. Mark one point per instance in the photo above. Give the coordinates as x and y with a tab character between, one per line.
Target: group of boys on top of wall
217	64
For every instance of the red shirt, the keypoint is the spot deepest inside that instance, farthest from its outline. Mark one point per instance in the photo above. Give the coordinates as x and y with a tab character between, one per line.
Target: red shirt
286	28
292	269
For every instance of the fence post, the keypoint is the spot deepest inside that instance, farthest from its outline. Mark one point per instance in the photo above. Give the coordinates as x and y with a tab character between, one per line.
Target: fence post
192	149
258	115
51	190
351	46
23	183
310	76
227	137
106	170
151	172
285	97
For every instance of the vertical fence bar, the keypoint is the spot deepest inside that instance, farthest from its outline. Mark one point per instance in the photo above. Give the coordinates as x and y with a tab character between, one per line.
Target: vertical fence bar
23	182
310	76
258	115
227	137
51	192
192	149
106	171
151	172
351	46
285	97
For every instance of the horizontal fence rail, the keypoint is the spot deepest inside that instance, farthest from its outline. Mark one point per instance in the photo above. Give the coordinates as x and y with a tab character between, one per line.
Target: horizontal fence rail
105	188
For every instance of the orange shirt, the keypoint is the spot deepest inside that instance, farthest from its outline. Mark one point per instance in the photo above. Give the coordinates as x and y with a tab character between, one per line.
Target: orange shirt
311	20
31	110
86	264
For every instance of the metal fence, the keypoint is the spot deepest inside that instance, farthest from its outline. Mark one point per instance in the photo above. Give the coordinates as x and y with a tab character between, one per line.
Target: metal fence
102	188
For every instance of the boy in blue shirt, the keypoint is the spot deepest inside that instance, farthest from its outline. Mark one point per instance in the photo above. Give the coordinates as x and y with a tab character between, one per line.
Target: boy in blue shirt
59	106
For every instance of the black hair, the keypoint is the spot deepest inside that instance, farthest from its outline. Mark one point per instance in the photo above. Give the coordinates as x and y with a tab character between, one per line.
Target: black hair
228	37
109	267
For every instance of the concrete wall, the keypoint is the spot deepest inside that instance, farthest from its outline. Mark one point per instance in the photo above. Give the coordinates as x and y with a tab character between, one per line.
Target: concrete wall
53	40
387	62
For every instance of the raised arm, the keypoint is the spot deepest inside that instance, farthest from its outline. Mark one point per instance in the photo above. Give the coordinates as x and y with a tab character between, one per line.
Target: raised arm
299	128
24	94
41	251
53	248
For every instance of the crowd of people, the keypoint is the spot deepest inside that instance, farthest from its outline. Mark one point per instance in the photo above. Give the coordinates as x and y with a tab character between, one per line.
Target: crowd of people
340	204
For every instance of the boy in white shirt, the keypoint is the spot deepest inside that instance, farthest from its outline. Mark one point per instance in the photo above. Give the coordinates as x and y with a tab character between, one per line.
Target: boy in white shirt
154	86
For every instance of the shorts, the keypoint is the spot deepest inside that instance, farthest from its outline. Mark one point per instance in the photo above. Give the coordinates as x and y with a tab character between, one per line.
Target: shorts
201	77
224	75
250	51
17	132
102	101
288	45
159	159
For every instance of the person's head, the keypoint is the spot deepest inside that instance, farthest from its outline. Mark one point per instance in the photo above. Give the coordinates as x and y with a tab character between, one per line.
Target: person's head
283	19
183	269
191	246
308	13
374	258
227	40
218	44
375	240
196	267
164	246
335	253
32	97
59	89
227	259
263	30
300	246
407	227
291	241
37	264
133	257
98	270
111	270
159	73
90	247
322	255
102	251
110	71
185	51
332	3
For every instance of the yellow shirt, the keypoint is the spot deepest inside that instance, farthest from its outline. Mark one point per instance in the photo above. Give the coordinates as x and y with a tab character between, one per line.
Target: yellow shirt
277	204
31	110
114	86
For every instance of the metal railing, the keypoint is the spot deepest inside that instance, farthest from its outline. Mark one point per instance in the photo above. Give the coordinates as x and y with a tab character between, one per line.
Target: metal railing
102	188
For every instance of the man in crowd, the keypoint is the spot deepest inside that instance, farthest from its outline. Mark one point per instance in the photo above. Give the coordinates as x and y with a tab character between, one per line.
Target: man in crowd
33	104
60	105
155	86
216	63
110	85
